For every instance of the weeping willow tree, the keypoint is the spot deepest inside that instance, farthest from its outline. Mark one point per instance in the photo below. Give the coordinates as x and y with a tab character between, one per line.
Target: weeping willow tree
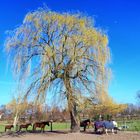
59	53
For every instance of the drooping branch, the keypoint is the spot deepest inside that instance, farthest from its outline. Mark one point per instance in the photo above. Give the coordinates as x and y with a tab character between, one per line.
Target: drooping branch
62	47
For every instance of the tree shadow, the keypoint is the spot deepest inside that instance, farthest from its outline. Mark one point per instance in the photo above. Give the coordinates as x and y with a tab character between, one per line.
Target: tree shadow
12	134
37	132
60	131
92	132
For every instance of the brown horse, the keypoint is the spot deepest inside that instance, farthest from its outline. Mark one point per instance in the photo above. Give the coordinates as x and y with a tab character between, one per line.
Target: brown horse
40	125
8	127
85	123
24	126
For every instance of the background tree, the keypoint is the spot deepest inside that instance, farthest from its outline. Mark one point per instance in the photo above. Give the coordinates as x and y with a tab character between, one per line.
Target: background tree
2	112
18	108
39	112
101	105
62	54
106	104
138	97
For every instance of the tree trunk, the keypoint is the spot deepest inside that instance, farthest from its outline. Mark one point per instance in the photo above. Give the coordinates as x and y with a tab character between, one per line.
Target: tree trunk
15	122
75	124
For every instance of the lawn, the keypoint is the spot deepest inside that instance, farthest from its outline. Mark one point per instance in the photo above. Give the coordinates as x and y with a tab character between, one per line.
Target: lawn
133	125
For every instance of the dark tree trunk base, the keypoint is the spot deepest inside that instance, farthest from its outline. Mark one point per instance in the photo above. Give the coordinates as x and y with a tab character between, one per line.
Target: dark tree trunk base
75	129
75	126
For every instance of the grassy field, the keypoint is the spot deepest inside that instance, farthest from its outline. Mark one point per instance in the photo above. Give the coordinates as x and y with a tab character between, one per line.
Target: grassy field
133	125
61	126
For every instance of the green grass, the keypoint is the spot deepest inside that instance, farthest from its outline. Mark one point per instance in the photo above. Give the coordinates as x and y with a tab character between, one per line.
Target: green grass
134	125
2	128
61	126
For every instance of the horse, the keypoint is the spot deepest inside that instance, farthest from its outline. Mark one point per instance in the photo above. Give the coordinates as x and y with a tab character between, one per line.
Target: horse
85	123
8	127
99	127
40	125
109	126
24	126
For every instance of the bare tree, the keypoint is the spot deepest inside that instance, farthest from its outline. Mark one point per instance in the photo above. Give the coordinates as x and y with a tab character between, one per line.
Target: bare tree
138	97
18	108
63	54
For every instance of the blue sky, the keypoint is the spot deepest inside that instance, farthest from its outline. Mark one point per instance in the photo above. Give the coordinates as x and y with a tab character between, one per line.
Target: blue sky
119	18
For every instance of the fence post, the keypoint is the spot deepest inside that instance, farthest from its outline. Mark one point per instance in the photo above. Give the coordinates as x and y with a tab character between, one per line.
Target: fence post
51	121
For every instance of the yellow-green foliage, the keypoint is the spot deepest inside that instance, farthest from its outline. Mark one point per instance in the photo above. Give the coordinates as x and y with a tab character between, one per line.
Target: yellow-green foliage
17	106
61	47
107	105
